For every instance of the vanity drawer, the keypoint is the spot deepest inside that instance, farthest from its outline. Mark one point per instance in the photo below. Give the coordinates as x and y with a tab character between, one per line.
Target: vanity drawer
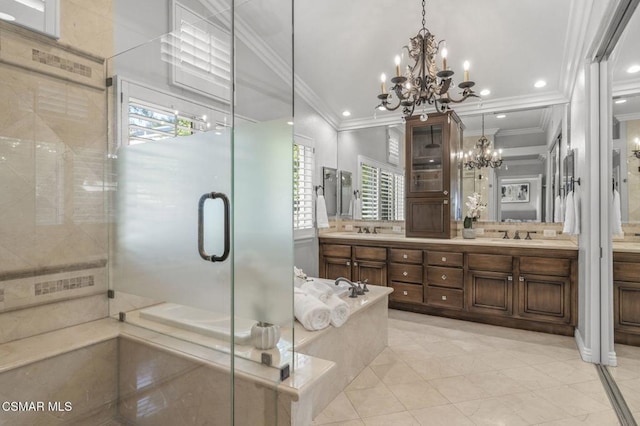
445	277
411	293
369	253
336	250
626	271
490	262
444	297
443	258
405	256
405	273
545	265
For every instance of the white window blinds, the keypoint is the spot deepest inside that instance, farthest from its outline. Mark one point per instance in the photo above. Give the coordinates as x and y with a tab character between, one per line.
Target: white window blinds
302	187
382	193
149	123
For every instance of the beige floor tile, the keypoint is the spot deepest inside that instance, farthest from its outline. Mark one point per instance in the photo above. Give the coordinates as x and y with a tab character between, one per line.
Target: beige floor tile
458	389
494	383
418	395
569	372
365	380
492	411
444	348
414	352
338	410
594	389
531	378
443	415
603	418
502	359
346	423
403	418
572	401
474	345
374	401
387	356
533	408
436	368
395	373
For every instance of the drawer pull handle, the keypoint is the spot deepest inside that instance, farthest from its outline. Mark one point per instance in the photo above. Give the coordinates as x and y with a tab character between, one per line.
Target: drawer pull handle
444	259
404	256
355	263
444	277
444	297
405	273
445	192
348	263
405	293
509	278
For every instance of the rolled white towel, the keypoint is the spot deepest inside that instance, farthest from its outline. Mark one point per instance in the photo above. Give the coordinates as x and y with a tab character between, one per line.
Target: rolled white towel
339	310
312	313
317	289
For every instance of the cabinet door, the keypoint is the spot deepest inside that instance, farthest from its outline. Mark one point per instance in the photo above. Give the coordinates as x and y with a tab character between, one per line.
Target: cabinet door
544	298
333	267
374	272
428	217
490	293
428	156
626	307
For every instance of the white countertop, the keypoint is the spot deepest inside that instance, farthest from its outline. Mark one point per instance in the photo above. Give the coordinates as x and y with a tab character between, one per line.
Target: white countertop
626	247
492	242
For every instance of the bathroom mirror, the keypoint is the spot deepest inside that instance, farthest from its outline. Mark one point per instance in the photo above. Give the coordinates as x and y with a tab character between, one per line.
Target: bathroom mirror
625	166
346	193
330	185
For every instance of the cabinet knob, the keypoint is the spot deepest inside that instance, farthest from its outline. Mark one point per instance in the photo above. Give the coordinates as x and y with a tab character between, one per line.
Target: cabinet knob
405	293
348	263
521	279
404	256
509	278
444	297
355	263
444	277
445	202
445	192
405	273
444	259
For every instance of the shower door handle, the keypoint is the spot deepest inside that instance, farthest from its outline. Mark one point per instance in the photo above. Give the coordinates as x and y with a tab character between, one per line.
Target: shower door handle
227	239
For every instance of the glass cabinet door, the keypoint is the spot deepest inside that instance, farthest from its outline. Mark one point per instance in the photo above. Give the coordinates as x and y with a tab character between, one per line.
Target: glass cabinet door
426	159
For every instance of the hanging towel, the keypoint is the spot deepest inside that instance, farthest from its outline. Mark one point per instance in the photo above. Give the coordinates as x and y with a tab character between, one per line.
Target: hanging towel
557	210
576	214
357	209
310	312
322	220
339	310
616	215
569	215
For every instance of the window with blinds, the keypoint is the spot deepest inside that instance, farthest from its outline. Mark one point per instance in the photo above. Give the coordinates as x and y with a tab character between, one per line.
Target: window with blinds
302	187
149	123
382	193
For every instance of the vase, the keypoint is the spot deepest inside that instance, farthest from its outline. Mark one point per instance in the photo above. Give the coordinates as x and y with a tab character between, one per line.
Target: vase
265	335
468	233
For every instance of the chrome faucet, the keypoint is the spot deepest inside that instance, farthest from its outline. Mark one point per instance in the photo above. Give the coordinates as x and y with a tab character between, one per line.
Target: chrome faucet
517	236
355	289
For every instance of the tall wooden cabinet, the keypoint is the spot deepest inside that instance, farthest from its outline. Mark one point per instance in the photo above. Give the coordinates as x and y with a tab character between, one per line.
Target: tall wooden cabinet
433	175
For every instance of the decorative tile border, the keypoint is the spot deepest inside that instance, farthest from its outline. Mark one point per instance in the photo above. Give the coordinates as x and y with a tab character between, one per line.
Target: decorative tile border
61	63
55	286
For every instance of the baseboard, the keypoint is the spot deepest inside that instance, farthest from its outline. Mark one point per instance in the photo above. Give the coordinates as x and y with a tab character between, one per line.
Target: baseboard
612	359
585	353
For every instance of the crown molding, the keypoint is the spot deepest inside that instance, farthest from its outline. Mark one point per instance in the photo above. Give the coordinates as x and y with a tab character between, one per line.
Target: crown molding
574	44
518	132
545	119
487	132
537	150
627	87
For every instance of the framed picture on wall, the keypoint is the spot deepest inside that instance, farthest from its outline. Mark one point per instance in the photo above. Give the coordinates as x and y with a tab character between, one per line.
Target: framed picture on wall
514	192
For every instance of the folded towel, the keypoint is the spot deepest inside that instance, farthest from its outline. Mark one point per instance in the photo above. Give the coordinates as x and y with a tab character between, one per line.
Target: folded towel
312	313
616	215
557	209
322	220
339	310
319	290
569	215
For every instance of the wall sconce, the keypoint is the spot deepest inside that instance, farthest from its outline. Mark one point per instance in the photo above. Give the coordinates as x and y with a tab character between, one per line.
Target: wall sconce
636	152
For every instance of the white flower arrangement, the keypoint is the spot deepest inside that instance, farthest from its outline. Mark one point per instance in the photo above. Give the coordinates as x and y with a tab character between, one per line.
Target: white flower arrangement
475	206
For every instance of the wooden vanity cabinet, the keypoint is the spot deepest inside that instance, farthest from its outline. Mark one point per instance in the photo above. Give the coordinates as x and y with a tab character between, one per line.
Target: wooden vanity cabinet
405	275
529	288
357	263
626	298
490	284
432	179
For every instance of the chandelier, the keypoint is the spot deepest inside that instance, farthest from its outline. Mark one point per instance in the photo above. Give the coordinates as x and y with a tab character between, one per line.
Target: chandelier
423	84
482	156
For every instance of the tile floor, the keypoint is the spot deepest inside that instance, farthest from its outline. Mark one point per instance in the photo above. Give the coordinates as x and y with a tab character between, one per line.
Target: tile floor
627	376
439	371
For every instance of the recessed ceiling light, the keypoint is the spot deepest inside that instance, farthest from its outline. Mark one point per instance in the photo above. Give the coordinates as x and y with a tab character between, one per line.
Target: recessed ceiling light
540	83
7	17
633	69
485	92
346	113
621	101
290	123
501	115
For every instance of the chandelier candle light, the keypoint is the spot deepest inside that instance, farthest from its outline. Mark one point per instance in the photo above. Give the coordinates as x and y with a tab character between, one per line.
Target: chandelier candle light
482	156
423	84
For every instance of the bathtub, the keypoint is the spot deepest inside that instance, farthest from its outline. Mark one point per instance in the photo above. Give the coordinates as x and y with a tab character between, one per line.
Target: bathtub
201	321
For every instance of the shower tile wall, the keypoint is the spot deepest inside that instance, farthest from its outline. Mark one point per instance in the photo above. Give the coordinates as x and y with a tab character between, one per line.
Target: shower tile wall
53	132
